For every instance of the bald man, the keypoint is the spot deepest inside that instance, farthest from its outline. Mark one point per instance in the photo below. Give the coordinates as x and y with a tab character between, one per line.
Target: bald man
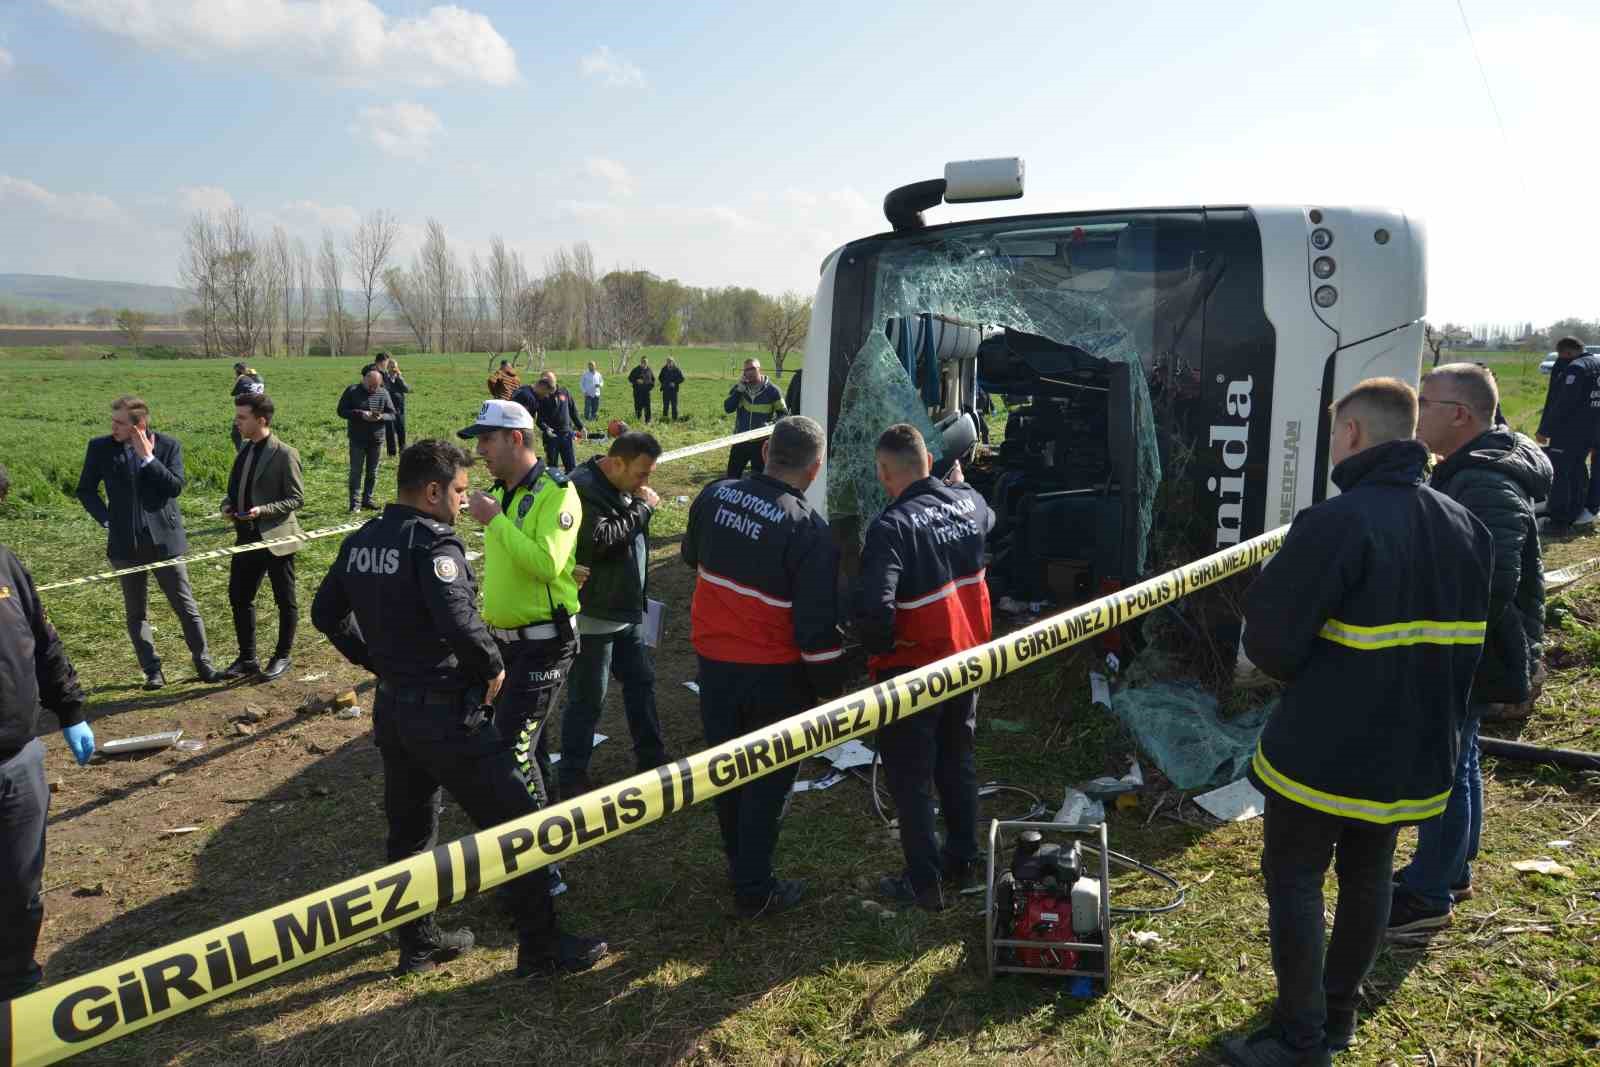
366	408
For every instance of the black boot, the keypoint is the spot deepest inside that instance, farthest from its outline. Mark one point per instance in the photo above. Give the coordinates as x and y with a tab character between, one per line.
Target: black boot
568	955
424	946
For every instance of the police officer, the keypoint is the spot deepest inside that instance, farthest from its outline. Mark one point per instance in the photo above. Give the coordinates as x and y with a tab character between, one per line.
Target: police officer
556	415
922	596
1567	429
530	599
765	626
34	671
399	601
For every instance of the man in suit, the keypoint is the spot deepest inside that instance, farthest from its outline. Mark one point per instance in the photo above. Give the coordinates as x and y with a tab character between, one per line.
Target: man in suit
366	408
265	489
142	472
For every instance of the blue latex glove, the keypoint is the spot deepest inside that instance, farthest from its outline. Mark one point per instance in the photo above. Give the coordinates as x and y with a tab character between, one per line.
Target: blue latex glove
81	740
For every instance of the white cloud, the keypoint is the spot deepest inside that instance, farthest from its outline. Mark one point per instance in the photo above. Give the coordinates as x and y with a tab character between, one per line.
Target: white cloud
323	216
614	174
351	42
400	129
8	62
72	207
611	69
589	211
208	198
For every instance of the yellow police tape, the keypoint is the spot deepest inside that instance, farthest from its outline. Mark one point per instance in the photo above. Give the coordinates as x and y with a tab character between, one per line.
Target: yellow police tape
1555	580
58	1021
312	535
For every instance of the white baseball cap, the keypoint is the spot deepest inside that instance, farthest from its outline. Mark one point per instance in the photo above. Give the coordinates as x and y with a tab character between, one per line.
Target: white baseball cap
499	415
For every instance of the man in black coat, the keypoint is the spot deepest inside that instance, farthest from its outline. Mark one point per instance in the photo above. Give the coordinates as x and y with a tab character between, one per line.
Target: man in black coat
142	472
1567	428
398	387
670	379
643	380
34	671
1496	474
613	544
246	380
366	408
1373	614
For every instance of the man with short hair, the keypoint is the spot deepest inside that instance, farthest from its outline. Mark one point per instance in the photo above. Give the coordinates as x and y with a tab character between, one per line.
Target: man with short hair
265	489
556	416
613	543
591	383
757	402
1567	427
143	475
643	380
670	379
399	601
34	673
764	623
1496	474
922	596
366	408
1373	614
530	598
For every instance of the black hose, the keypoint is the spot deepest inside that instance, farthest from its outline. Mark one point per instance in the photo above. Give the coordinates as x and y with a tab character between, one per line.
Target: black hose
1516	750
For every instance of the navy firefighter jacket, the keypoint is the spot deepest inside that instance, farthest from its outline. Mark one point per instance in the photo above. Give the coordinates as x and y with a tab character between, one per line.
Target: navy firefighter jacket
922	594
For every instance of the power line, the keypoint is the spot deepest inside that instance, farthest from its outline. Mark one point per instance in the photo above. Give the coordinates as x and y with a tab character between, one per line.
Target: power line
1484	74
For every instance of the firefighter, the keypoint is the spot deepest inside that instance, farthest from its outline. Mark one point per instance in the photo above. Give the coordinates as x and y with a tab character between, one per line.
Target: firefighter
764	626
530	599
753	402
399	600
1372	613
922	596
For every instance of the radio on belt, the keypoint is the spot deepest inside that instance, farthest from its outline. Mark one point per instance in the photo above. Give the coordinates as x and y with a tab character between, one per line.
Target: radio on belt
1048	912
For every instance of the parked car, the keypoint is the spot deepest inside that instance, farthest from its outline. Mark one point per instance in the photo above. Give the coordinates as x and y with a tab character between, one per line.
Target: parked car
1550	360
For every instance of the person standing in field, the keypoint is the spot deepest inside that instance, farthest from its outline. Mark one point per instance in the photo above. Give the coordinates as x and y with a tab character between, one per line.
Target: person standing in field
504	381
670	379
394	431
366	408
757	402
643	380
1567	430
246	380
143	475
591	383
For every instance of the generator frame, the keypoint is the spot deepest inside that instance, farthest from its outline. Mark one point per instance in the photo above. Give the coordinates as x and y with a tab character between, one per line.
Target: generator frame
992	944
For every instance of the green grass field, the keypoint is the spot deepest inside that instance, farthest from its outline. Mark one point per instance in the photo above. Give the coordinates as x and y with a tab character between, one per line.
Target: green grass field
295	805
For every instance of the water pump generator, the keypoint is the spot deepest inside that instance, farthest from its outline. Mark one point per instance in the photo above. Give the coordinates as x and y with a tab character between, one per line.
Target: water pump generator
1049	911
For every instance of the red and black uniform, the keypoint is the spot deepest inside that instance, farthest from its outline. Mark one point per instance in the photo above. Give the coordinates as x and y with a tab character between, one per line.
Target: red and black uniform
922	595
764	622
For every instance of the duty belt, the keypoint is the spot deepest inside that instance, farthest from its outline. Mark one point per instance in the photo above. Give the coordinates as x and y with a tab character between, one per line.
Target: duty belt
539	631
401	693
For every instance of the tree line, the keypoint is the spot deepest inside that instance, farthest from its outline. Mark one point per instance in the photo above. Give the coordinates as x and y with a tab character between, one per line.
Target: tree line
263	293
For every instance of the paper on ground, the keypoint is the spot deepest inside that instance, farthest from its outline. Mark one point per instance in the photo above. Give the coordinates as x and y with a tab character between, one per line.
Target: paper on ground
827	781
555	757
1235	802
1099	690
693	687
850	754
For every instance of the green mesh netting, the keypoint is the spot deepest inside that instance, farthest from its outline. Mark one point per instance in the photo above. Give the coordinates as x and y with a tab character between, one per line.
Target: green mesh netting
1178	726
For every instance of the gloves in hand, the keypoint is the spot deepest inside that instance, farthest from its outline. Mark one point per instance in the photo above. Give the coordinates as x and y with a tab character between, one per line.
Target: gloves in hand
81	740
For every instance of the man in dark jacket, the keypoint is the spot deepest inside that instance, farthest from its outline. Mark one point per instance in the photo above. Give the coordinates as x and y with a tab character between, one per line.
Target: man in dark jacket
1373	614
764	624
643	380
671	378
246	380
142	472
395	430
556	416
366	408
613	544
1496	474
757	402
34	670
1567	429
922	596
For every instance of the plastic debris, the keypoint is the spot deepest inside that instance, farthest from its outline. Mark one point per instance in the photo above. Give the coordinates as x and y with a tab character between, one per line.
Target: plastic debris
1178	726
693	687
1099	690
178	831
1550	867
317	677
166	779
1106	787
143	743
1563	844
192	744
1235	802
1144	937
351	712
1078	810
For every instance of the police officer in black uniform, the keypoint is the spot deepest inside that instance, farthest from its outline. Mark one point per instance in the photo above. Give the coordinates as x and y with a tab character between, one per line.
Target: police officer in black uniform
400	601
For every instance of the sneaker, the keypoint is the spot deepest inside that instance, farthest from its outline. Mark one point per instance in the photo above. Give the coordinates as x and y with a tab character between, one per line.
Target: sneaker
354	507
155	679
1339	1032
572	954
423	946
897	887
1458	892
1585	518
1407	916
1266	1048
784	894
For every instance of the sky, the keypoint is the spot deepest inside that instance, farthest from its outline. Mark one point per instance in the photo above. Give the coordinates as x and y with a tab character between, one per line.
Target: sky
736	143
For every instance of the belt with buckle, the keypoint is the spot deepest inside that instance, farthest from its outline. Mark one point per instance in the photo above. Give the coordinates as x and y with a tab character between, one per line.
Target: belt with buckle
539	631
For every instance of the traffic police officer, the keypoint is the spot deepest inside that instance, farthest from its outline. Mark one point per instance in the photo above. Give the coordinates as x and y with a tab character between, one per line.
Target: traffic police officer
923	596
400	601
764	623
530	599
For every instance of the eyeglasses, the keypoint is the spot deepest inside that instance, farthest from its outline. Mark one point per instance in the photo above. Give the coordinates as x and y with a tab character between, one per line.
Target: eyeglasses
1423	402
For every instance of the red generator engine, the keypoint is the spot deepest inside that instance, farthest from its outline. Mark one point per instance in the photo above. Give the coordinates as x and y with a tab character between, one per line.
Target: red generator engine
1048	913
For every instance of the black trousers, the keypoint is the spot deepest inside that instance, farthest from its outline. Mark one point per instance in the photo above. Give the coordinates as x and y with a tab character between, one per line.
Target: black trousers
736	698
669	403
536	676
364	456
24	801
1571	485
427	747
641	404
558	450
1298	844
244	581
394	434
934	750
745	452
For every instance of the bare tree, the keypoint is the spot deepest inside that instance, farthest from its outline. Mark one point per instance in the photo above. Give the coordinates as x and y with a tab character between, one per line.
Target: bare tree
440	274
506	283
200	274
281	262
305	274
370	248
784	323
535	318
409	296
588	290
622	315
478	314
244	307
331	270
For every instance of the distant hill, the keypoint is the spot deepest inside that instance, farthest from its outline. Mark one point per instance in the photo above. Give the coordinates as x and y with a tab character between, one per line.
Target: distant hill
82	294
